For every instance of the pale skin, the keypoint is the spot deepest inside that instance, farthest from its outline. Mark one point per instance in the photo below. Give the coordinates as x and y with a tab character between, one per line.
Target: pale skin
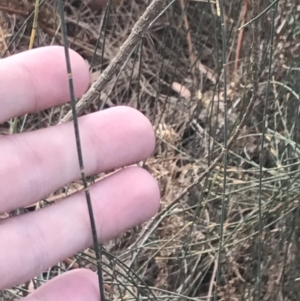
34	164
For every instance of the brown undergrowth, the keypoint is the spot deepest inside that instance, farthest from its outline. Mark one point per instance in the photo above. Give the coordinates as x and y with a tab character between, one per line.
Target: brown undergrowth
177	80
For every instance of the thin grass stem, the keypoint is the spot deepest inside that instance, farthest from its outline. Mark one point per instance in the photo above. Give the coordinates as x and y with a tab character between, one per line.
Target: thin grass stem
220	12
97	246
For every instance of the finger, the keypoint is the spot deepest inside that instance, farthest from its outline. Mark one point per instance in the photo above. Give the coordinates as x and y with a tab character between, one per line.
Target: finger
76	285
37	79
37	163
120	201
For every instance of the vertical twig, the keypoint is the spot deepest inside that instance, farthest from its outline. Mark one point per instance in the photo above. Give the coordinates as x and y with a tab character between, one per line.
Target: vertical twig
240	38
220	12
261	154
35	23
79	151
189	40
255	96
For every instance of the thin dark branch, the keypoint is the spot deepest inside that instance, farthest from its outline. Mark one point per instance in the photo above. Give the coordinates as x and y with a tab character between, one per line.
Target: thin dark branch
79	150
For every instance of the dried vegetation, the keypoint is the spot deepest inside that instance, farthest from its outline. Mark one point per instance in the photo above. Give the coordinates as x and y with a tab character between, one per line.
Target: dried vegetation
176	78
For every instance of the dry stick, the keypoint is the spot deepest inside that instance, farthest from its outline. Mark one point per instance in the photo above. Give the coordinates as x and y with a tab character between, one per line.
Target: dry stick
13	11
212	282
189	41
98	251
240	38
255	80
139	29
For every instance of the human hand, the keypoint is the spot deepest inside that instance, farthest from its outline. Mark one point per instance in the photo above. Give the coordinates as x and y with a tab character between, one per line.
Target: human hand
36	163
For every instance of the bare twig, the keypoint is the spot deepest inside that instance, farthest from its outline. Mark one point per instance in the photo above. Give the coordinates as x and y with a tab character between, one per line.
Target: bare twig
240	38
139	29
255	82
189	41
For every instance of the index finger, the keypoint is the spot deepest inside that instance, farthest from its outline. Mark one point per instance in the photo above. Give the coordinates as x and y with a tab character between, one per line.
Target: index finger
37	79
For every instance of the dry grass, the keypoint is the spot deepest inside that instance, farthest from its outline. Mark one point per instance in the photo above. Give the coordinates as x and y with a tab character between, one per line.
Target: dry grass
176	79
